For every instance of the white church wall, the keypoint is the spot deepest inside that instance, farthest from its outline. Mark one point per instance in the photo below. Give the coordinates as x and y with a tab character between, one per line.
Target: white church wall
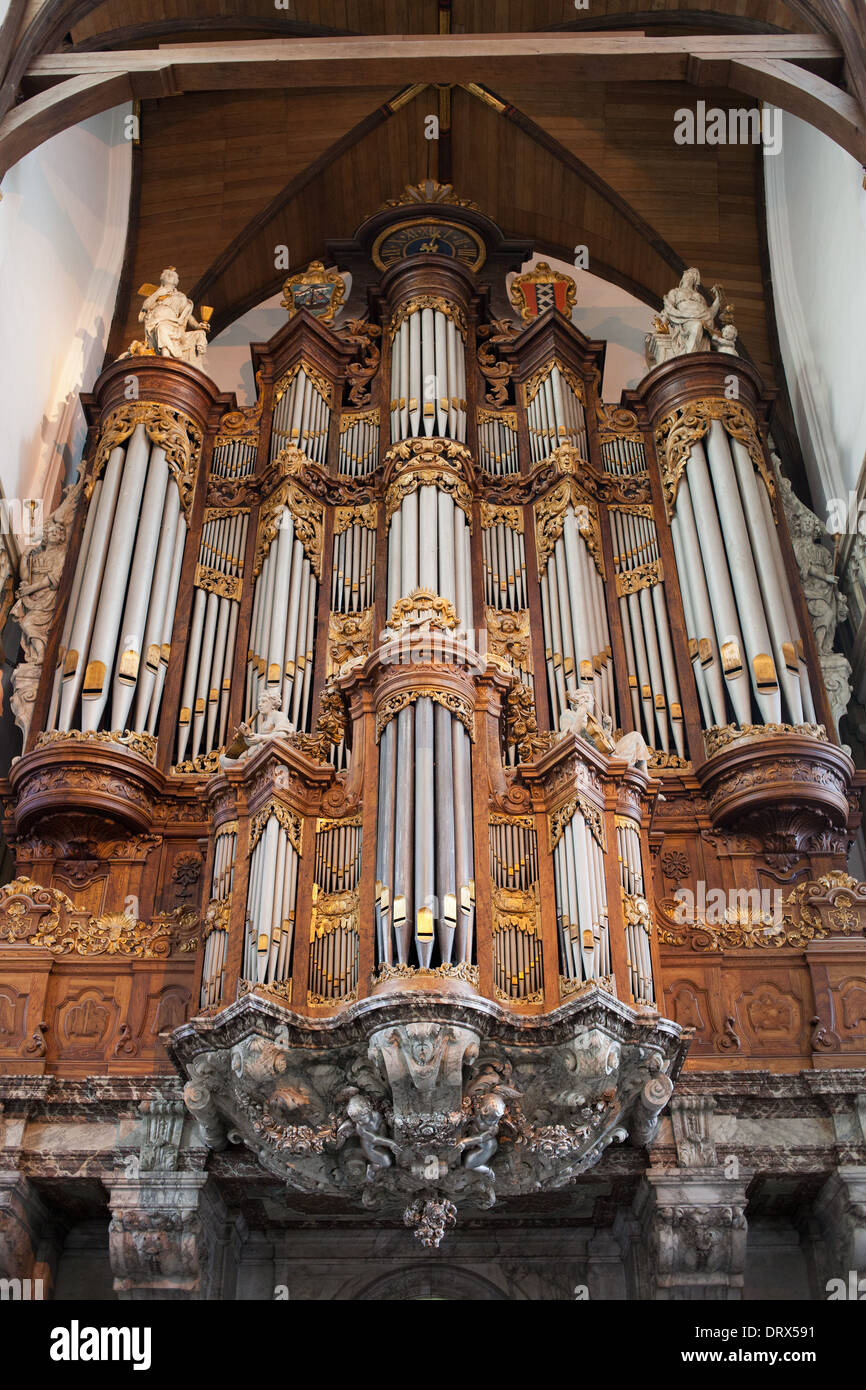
63	222
816	229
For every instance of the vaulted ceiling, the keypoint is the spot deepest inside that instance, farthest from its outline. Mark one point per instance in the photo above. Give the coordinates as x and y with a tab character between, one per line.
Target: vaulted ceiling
224	176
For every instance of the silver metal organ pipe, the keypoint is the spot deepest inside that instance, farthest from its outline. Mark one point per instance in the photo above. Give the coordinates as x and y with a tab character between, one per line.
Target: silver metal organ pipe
103	642
715	567
93	562
753	622
691	572
425	873
168	625
71	607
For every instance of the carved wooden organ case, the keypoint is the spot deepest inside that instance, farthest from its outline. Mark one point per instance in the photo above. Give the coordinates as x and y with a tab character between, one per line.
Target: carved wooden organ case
426	533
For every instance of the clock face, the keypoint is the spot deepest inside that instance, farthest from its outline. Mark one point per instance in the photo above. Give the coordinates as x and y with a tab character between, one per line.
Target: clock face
428	238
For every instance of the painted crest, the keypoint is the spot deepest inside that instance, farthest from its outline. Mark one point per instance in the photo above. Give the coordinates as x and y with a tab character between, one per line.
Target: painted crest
541	289
319	291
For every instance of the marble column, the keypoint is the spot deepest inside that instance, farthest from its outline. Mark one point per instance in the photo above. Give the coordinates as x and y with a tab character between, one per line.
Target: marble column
838	1228
30	1236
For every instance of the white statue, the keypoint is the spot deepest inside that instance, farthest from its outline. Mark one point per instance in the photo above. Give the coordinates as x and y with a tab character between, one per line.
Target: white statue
726	341
581	720
40	570
170	329
827	605
573	721
633	747
272	724
687	322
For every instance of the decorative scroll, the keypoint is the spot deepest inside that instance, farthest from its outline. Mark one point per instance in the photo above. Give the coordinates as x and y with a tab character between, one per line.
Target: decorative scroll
350	635
243	421
559	818
47	919
833	903
457	705
203	764
679	430
359	334
642	577
429	453
616	422
525	822
143	744
340	823
309	519
168	429
530	387
501	516
541	289
447	307
291	822
322	384
345	517
550	519
429	191
495	372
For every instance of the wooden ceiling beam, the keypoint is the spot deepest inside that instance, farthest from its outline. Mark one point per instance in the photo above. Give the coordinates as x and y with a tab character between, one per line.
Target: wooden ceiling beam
493	59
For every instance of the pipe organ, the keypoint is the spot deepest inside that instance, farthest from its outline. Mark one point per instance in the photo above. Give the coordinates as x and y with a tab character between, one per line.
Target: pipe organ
443	673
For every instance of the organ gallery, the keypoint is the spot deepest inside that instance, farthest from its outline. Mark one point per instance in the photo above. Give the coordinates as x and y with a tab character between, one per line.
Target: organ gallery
430	817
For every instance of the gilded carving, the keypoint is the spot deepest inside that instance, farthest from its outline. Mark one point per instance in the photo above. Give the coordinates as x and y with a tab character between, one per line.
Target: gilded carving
463	971
350	635
313	375
422	606
496	372
550	513
456	704
558	819
216	582
170	430
428	301
309	522
291	822
501	516
48	919
679	430
642	577
143	744
345	517
531	387
723	735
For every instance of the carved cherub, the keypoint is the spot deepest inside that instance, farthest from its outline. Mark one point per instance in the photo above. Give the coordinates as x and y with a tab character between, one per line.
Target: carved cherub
365	1121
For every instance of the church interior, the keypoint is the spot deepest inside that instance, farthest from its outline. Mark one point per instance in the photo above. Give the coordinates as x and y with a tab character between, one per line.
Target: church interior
433	621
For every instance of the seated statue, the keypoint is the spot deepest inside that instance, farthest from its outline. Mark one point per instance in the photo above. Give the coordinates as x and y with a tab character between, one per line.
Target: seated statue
633	747
170	329
581	720
272	724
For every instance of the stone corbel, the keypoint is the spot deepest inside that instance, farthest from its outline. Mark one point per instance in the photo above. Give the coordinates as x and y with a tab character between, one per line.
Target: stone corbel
166	1236
688	1240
